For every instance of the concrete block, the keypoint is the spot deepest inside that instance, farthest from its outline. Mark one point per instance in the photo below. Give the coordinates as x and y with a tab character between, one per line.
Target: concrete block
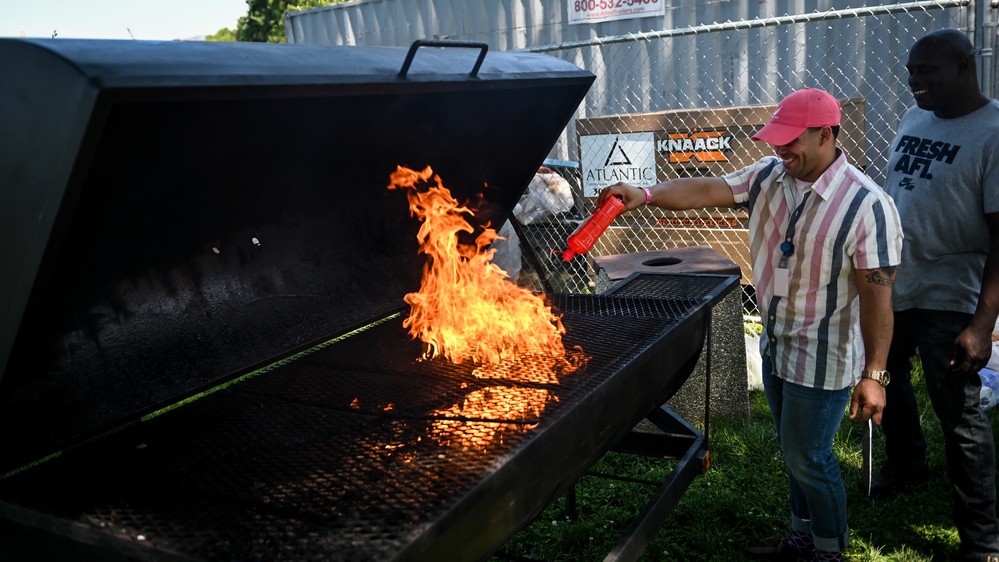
729	394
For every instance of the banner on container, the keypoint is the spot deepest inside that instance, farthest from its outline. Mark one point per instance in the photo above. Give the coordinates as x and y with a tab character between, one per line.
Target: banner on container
595	11
608	159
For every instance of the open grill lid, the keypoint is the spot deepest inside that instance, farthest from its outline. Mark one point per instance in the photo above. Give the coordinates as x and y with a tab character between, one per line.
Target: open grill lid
175	214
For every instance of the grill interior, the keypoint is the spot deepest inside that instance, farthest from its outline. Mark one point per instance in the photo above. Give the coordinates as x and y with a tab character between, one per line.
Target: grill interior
359	450
215	206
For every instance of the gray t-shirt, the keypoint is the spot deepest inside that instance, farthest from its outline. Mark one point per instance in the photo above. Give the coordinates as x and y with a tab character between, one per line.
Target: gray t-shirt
944	177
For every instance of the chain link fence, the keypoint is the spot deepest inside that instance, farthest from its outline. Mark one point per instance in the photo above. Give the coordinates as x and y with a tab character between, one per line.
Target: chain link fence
682	102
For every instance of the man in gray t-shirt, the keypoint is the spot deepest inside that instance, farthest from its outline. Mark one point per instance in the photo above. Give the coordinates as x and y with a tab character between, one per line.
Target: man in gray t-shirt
943	174
944	177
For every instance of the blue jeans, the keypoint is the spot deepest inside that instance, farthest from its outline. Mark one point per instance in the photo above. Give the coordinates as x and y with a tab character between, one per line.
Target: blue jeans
806	420
968	442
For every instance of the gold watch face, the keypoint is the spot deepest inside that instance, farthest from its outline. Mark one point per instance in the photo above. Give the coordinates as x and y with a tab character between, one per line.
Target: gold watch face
881	376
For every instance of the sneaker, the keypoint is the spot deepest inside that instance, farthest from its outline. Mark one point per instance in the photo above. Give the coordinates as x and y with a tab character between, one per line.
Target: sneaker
888	482
782	552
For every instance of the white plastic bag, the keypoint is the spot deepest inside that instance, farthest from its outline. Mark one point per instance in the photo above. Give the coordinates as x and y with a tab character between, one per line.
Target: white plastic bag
547	195
508	254
754	362
990	388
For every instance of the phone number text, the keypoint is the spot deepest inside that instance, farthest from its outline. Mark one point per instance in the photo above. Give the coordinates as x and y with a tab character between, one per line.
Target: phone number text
591	5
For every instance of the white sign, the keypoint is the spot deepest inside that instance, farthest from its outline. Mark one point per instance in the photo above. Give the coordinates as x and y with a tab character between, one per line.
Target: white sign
594	11
624	157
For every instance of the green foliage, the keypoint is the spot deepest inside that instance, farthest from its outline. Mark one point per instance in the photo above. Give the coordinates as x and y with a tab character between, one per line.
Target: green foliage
264	21
224	34
742	500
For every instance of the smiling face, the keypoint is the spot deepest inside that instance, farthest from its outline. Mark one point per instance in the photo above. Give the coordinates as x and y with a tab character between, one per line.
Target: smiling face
933	78
806	157
942	74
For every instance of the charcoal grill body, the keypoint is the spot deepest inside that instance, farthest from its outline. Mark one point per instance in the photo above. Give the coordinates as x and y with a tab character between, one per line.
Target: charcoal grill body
176	212
201	331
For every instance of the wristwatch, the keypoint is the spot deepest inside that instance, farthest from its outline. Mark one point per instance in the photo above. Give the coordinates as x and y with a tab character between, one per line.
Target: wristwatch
881	376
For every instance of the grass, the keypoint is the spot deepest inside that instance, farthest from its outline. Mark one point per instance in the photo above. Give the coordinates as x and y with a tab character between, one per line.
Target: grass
742	500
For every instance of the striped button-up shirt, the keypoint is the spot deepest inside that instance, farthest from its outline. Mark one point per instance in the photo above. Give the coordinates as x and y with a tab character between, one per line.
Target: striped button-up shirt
845	222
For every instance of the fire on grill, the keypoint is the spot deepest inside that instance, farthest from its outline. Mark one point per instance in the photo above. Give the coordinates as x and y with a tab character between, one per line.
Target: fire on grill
466	308
202	344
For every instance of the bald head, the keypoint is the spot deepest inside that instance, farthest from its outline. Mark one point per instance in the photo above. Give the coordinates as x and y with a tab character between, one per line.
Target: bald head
948	42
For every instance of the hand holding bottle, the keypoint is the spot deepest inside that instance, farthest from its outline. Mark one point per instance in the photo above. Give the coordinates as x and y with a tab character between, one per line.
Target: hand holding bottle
583	238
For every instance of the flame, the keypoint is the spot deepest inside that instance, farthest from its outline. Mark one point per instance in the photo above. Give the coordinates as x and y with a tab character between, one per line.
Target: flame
498	411
466	308
535	368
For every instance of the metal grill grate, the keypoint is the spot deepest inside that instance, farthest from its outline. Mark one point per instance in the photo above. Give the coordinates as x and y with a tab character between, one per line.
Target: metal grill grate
666	308
357	450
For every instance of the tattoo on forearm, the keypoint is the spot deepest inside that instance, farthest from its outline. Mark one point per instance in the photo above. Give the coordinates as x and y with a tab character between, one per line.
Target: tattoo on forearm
883	276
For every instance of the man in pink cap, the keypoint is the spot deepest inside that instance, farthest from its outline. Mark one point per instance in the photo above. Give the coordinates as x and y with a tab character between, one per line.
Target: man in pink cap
824	242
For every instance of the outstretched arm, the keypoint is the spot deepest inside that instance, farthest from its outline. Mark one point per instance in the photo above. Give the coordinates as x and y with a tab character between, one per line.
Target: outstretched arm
675	195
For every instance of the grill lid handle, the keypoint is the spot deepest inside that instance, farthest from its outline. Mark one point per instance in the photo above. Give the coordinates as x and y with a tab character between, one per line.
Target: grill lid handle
428	43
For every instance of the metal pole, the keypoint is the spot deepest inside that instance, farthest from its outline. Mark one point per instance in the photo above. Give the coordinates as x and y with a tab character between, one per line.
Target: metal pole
983	42
986	58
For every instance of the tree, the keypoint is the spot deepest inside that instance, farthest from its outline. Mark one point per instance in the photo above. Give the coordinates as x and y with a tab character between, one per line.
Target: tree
224	34
264	21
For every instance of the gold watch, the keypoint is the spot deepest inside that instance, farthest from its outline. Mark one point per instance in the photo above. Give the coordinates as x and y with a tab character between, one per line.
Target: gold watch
881	376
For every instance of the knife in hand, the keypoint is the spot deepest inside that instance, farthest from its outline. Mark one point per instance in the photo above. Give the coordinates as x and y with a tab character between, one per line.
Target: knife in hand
866	452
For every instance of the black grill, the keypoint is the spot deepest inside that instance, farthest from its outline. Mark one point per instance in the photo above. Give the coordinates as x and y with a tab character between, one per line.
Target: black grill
360	450
201	341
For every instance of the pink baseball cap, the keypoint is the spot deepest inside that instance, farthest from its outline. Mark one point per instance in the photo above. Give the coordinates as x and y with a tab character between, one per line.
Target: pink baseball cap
809	107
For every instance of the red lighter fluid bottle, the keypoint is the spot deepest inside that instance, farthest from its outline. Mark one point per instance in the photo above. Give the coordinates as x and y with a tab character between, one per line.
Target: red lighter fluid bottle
587	233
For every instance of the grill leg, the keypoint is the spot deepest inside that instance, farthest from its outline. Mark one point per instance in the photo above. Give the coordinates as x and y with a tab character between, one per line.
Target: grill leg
691	464
707	375
679	440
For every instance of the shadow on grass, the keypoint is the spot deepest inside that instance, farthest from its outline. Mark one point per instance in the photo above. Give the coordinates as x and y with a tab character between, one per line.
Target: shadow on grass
743	500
